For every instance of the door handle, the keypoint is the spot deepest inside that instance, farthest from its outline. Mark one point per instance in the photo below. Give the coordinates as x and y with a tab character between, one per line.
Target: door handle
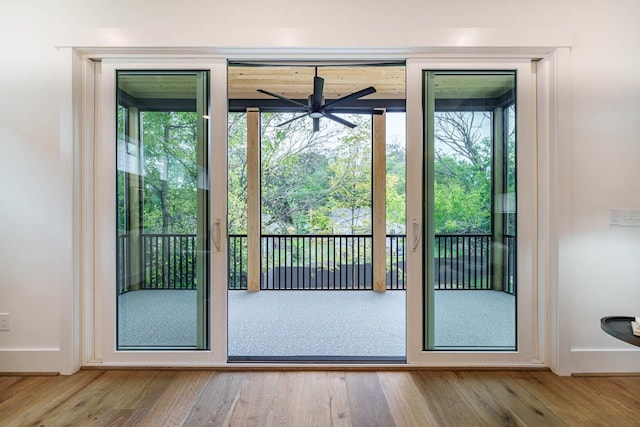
216	234
416	234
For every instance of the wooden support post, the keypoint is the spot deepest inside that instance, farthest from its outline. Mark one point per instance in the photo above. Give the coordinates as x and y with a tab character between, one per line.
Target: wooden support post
253	199
497	216
379	203
134	194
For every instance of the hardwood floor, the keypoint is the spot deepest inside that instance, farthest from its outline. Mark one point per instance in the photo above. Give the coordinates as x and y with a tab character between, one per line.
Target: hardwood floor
318	398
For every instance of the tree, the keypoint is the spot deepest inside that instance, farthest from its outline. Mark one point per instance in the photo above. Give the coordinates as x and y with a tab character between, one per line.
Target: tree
170	172
396	186
305	175
237	174
462	172
351	176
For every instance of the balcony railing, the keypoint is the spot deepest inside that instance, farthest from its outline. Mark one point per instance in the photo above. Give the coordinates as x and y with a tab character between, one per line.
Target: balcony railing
168	262
462	261
317	262
327	262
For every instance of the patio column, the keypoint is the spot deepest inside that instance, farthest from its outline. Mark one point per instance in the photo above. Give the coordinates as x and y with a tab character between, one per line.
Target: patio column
497	216
134	200
253	199
379	213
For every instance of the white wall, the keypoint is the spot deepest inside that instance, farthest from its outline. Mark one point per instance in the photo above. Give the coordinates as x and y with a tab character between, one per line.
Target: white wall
599	264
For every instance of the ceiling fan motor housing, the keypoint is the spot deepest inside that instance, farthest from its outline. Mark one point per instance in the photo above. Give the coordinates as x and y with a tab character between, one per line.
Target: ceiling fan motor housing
317	113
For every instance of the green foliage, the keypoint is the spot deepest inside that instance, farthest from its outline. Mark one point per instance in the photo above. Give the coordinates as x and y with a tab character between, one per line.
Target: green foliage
166	163
462	173
237	174
396	187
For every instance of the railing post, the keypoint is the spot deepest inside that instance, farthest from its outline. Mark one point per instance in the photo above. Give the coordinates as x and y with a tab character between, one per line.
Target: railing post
253	199
379	231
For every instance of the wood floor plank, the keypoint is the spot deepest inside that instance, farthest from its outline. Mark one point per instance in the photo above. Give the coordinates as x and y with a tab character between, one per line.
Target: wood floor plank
119	417
406	403
318	399
177	400
488	408
515	395
444	399
5	384
330	392
216	402
259	402
620	405
32	398
111	391
632	384
569	399
292	399
367	401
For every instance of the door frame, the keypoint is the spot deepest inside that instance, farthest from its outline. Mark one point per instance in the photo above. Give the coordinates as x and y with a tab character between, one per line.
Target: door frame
527	332
104	307
80	119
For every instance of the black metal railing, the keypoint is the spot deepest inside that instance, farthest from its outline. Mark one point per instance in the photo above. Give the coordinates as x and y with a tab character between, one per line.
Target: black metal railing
396	249
462	261
322	262
316	262
168	262
237	261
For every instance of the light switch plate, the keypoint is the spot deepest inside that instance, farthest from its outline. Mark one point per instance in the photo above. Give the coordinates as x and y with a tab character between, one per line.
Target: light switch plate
624	217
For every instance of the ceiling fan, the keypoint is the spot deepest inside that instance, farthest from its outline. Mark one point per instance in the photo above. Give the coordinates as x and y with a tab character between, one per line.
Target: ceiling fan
316	107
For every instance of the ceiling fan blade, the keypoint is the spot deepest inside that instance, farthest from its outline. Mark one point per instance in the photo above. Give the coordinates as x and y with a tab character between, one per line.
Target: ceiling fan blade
316	125
339	120
318	86
275	95
354	95
291	120
356	110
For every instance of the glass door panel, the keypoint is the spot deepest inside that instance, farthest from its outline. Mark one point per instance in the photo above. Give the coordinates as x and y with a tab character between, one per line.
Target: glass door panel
470	218
162	250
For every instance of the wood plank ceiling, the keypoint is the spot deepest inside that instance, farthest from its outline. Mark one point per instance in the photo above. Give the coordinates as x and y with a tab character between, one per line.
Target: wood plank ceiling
296	82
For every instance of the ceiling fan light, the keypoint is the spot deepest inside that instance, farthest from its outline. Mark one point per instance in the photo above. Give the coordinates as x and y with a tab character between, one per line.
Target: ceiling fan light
315	114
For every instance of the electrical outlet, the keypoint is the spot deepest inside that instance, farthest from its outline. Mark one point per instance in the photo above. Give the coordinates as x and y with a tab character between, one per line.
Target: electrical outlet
5	322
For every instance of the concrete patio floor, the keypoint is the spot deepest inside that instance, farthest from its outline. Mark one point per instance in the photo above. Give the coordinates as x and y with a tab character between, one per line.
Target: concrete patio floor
318	325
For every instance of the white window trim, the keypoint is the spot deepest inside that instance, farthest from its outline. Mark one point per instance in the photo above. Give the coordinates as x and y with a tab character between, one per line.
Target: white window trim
78	342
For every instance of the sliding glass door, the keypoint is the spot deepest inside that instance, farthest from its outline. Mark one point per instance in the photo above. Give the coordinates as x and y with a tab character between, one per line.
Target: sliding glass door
160	200
162	209
472	203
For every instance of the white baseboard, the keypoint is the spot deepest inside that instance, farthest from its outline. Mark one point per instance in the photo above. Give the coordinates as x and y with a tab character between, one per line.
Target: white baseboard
587	361
30	360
